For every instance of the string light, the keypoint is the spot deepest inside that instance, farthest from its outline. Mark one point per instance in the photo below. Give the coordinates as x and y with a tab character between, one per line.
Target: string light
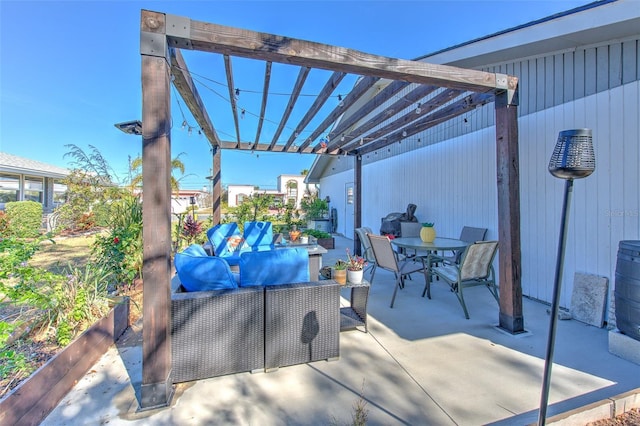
361	141
404	133
340	103
237	92
342	138
184	124
418	108
242	113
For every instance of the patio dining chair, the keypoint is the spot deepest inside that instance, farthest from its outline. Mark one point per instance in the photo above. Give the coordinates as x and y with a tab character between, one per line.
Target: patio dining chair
387	258
475	268
367	251
469	234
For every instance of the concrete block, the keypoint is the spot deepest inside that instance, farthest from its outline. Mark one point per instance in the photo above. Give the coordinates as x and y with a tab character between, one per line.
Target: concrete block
589	298
626	402
624	346
583	415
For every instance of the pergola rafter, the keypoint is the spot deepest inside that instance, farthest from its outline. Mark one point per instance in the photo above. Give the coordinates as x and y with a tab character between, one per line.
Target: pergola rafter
373	112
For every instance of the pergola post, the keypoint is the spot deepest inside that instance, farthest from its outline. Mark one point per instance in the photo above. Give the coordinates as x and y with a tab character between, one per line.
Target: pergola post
357	206
216	181
157	388
508	181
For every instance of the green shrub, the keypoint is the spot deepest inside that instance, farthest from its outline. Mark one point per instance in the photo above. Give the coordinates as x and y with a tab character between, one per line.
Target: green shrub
25	218
317	233
120	250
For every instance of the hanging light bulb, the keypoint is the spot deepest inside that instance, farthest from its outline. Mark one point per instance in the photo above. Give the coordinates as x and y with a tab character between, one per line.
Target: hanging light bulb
418	109
342	138
184	124
237	92
340	103
242	113
189	130
404	133
361	141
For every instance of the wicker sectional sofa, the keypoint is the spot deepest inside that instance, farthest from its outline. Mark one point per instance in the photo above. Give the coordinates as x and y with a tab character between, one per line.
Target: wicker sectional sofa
256	328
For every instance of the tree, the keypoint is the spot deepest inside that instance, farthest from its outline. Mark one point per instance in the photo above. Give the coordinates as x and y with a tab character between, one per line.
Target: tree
252	207
135	170
90	190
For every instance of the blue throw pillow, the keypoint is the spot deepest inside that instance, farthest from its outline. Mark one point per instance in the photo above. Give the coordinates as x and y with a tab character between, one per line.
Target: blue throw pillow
258	235
273	267
199	272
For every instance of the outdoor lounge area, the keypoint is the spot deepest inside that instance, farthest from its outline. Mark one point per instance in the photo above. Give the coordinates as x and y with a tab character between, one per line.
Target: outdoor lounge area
421	362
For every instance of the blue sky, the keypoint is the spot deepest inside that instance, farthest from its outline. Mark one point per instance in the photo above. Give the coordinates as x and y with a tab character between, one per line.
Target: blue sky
71	69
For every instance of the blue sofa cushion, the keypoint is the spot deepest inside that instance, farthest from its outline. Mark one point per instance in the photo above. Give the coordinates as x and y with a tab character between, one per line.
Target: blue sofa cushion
281	266
225	239
258	236
199	272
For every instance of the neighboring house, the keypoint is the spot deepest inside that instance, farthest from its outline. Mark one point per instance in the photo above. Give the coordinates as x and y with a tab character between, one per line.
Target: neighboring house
578	69
23	179
290	187
187	200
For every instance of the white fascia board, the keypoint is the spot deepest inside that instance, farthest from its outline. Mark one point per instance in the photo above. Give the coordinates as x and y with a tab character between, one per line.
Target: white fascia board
616	20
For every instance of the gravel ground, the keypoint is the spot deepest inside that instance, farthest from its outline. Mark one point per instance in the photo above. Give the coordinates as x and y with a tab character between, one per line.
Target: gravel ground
630	418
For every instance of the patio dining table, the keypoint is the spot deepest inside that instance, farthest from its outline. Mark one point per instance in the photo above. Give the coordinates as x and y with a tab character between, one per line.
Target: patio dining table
432	249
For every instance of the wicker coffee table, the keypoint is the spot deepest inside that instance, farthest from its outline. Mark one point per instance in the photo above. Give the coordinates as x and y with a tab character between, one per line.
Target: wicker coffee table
355	314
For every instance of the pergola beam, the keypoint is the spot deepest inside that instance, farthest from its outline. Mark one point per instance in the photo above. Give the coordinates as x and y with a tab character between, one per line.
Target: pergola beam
297	88
326	91
184	84
208	37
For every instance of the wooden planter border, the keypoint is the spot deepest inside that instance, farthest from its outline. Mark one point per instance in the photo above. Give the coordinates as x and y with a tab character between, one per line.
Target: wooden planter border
328	243
33	399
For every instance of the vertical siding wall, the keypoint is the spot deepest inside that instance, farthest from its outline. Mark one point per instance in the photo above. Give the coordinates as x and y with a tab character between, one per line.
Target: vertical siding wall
453	181
454	184
605	206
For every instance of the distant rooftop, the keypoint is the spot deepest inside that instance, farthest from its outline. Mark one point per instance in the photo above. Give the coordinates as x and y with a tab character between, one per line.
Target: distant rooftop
13	164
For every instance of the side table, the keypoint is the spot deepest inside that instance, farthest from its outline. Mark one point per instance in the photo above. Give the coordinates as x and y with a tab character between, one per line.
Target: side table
355	314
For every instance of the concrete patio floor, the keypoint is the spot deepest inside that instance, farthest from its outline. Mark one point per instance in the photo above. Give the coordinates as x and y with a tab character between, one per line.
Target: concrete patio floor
422	363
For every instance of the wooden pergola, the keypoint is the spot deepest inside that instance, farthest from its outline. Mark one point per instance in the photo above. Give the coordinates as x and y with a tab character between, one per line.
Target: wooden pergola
444	92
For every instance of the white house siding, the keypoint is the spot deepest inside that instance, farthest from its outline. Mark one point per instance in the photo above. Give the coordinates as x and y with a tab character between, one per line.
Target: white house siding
578	70
453	183
334	186
605	206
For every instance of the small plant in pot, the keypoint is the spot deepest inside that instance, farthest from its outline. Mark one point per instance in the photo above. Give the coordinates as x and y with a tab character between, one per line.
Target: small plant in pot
355	268
339	272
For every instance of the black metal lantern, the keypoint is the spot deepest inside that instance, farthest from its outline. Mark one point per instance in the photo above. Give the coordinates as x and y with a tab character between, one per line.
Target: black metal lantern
572	158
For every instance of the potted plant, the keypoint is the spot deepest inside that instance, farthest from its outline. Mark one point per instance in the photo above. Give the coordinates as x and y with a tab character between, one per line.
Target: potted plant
324	238
355	268
427	232
339	272
316	213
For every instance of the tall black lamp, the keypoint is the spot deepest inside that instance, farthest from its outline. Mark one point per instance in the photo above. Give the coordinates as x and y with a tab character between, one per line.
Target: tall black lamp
572	158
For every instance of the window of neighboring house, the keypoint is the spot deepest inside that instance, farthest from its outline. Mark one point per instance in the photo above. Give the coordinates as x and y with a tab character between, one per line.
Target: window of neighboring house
292	190
9	188
33	189
59	193
240	198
